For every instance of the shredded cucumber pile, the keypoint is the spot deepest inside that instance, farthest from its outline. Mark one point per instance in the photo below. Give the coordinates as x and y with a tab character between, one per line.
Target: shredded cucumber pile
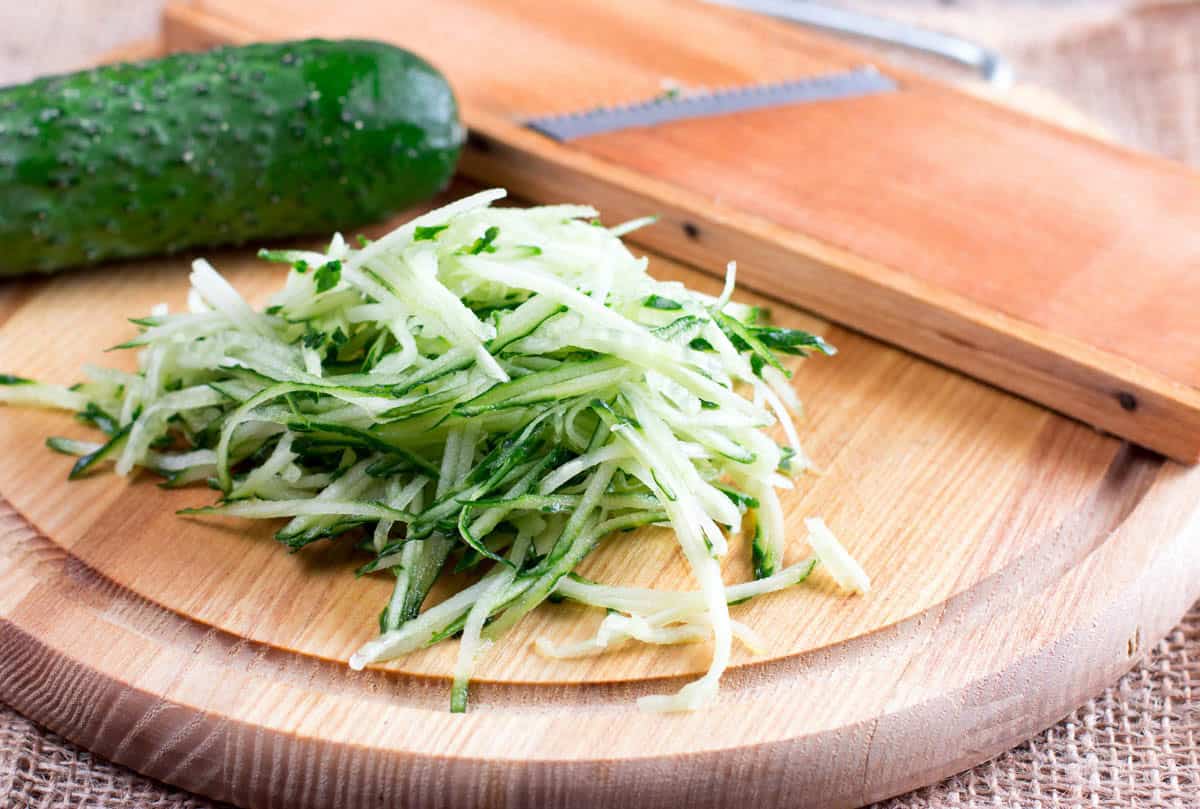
488	389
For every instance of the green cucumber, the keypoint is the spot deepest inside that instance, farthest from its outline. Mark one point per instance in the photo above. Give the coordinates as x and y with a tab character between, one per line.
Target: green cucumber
223	147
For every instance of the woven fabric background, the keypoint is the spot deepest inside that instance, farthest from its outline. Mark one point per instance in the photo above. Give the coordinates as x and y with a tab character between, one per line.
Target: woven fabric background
1133	746
1137	745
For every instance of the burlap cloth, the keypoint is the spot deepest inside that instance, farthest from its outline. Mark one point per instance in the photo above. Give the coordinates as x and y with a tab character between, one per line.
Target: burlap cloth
1135	745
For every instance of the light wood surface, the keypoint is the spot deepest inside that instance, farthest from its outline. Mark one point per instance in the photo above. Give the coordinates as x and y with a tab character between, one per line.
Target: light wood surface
1104	558
1021	561
1049	264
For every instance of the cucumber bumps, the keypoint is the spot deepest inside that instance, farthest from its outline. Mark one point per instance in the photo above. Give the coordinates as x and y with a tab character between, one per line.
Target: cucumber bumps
223	147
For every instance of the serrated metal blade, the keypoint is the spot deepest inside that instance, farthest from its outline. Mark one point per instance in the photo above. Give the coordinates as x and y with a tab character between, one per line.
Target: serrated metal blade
846	84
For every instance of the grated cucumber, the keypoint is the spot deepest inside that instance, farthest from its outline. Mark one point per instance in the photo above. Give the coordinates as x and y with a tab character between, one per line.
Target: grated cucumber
491	388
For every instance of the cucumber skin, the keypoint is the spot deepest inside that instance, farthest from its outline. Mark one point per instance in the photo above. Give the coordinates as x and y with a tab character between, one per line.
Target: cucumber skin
235	144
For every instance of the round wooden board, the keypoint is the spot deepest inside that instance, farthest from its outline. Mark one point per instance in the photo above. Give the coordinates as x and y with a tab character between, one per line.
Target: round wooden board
1021	562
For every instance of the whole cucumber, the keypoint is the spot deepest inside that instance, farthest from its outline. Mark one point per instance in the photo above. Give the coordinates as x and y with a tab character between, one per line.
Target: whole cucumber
253	142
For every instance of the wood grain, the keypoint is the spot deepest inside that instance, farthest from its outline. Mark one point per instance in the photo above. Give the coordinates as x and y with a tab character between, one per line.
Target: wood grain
1041	261
1021	561
1088	558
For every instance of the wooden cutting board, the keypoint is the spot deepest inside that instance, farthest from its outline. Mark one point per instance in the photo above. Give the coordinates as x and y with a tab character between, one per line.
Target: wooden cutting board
1021	561
1054	266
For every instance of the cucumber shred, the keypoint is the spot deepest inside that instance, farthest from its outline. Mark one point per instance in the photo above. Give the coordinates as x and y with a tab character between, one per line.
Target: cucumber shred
459	401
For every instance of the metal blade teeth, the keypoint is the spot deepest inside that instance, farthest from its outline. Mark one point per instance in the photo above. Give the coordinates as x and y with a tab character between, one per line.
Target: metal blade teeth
847	84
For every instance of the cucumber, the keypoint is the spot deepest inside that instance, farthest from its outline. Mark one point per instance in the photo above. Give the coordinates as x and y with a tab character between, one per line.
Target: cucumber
236	144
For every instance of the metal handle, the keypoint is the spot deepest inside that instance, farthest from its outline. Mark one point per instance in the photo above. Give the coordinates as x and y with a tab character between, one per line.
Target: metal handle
991	65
